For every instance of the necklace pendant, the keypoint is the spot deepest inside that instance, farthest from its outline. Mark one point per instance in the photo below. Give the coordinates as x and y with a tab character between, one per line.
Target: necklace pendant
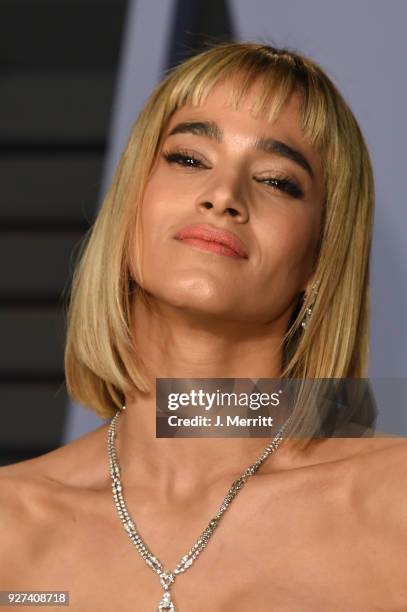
166	578
166	602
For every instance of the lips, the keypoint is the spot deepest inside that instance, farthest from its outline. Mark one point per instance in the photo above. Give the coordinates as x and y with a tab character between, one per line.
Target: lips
202	233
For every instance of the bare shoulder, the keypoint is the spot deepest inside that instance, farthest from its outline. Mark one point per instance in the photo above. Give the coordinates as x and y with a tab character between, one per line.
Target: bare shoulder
388	457
18	484
38	493
72	465
22	518
378	463
369	474
24	487
380	485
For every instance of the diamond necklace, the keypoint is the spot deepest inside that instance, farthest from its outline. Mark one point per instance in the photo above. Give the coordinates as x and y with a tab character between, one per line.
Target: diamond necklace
166	577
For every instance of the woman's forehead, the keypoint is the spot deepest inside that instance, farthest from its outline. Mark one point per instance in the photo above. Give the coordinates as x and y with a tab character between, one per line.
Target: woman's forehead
217	110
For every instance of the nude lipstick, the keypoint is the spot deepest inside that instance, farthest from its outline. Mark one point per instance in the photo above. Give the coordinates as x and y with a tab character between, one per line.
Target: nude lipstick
213	239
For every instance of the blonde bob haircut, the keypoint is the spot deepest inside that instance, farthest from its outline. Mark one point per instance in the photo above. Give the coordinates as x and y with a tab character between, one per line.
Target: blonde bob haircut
101	360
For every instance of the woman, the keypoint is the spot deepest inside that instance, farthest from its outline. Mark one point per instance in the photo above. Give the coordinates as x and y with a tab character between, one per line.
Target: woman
256	145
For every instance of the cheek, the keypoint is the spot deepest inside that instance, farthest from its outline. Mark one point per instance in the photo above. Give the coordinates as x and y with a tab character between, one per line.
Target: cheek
143	240
152	207
164	205
161	210
287	241
286	249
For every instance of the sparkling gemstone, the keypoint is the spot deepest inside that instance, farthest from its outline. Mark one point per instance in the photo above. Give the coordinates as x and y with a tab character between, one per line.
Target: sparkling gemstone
166	602
166	579
129	526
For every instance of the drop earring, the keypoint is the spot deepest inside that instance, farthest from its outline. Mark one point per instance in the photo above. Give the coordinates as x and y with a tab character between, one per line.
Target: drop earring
308	310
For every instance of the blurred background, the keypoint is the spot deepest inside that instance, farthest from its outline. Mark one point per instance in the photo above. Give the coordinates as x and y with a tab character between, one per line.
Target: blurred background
73	76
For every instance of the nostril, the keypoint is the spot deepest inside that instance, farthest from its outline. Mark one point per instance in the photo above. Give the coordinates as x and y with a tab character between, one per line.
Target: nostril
233	212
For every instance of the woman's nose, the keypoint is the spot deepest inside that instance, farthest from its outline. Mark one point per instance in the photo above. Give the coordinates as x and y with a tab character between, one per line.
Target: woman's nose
224	197
233	211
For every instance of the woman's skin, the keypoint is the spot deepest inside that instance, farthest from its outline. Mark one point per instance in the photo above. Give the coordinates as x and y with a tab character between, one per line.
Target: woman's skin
209	315
321	530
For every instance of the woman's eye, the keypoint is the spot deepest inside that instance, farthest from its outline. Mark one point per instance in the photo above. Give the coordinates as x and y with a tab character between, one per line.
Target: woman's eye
189	160
284	184
183	159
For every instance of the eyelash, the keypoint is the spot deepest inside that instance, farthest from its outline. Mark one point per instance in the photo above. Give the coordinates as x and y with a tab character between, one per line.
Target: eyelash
283	183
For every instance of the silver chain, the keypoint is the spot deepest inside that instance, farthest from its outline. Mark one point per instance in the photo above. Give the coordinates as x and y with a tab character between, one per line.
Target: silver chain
166	577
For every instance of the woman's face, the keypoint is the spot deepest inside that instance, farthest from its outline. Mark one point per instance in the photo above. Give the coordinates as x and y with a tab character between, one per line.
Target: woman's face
270	198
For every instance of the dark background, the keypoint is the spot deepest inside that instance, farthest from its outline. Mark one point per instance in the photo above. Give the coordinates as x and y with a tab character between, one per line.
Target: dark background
58	66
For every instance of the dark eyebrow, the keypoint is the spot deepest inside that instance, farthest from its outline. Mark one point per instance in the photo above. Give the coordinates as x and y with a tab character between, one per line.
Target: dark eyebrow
210	129
270	145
